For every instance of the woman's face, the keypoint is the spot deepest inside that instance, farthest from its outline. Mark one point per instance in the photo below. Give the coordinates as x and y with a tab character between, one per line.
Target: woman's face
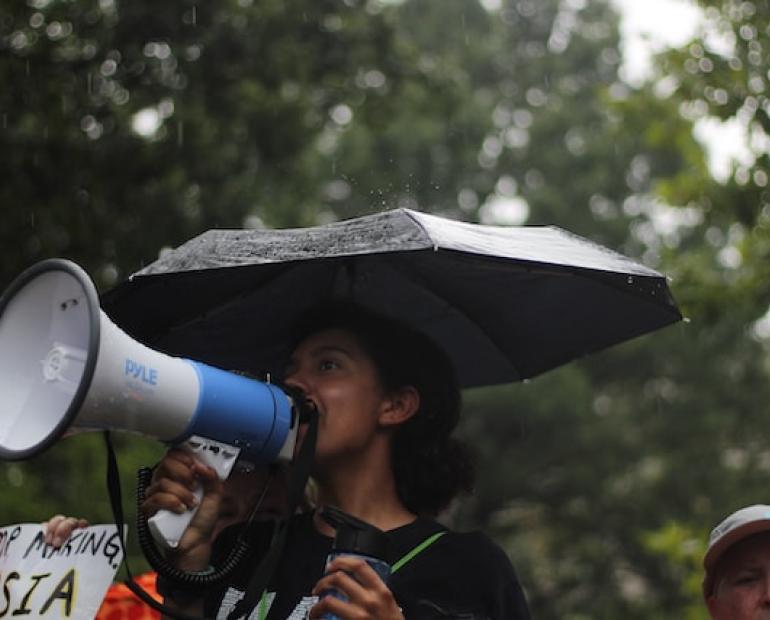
333	371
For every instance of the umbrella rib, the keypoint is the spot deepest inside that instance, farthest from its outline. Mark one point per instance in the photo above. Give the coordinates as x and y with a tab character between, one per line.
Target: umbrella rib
434	246
462	311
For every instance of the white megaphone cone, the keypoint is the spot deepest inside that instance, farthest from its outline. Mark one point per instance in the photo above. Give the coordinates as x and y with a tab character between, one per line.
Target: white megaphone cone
65	368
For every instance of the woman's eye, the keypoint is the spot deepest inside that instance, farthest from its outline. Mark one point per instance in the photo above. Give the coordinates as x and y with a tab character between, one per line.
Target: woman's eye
745	579
328	365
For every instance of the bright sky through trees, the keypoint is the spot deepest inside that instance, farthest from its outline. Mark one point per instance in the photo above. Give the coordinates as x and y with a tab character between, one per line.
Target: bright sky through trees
649	26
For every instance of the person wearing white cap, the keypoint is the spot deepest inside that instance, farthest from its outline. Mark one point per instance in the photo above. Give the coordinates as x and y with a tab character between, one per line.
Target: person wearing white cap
736	585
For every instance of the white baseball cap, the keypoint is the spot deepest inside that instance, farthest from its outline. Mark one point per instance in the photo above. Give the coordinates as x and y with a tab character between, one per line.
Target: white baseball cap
739	525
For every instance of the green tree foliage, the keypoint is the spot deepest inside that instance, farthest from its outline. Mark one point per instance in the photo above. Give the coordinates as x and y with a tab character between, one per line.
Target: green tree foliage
722	75
129	126
126	128
690	403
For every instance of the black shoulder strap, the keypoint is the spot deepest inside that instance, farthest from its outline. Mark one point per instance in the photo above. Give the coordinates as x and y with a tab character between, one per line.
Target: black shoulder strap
113	488
297	482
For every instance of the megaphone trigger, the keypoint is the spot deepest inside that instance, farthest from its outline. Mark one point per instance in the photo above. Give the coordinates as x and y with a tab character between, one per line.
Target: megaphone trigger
167	527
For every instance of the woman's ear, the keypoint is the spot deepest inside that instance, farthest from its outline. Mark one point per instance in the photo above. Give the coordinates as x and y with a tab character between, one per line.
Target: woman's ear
399	406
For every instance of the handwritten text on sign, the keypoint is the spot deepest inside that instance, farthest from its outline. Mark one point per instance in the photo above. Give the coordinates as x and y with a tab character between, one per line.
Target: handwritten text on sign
39	581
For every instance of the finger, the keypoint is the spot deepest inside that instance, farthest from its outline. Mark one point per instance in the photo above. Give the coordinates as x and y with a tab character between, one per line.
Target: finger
49	527
180	469
347	609
162	501
60	528
179	454
210	504
65	528
359	569
368	595
343	583
332	606
204	473
182	490
168	495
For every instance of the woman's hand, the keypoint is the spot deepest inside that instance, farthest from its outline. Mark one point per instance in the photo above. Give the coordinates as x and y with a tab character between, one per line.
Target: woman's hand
59	528
174	480
368	596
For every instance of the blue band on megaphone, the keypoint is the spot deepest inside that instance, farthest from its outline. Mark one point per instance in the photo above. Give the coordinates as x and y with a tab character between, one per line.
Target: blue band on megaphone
239	411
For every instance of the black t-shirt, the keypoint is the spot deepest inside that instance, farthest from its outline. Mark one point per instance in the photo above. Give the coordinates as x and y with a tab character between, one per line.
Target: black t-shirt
460	576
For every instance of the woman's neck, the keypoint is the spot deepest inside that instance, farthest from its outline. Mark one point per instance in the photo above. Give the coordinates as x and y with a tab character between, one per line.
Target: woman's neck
371	497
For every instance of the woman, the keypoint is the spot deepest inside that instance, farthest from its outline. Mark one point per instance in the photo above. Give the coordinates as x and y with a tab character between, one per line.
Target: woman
387	402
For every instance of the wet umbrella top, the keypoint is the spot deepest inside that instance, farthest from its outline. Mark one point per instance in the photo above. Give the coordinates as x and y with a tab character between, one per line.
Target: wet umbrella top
506	303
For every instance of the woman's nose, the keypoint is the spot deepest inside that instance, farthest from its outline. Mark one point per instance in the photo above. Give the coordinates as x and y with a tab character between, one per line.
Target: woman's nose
297	382
293	380
300	392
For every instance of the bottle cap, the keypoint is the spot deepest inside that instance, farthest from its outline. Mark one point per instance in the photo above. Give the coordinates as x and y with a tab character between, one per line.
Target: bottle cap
354	535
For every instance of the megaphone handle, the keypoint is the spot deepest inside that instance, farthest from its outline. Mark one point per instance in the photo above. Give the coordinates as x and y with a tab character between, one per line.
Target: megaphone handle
167	527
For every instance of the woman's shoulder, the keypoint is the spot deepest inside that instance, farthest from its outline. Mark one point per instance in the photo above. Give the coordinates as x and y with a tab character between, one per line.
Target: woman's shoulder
476	542
466	552
478	553
465	571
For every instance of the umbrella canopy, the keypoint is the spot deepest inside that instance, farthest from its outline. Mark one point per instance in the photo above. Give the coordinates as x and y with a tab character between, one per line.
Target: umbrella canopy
506	303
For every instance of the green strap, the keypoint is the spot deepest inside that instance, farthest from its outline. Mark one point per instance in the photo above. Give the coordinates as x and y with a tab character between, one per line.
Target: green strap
418	549
262	607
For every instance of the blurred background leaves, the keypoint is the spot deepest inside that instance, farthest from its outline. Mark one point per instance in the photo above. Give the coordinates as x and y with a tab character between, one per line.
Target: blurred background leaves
128	127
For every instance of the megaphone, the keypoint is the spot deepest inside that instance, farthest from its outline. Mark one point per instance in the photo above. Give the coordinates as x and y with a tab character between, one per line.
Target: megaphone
65	367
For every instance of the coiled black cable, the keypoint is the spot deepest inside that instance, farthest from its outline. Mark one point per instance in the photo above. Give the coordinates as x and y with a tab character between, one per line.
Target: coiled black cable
167	570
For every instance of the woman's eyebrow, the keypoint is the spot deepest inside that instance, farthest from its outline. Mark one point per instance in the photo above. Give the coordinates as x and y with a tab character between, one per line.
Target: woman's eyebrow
748	567
329	348
315	352
753	565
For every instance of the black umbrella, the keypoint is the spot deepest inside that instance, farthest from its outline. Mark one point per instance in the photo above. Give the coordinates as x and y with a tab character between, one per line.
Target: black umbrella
506	303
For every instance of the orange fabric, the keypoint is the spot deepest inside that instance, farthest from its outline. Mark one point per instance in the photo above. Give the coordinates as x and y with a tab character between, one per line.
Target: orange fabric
122	604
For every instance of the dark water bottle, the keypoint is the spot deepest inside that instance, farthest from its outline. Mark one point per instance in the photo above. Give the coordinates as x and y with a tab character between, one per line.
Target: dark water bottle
358	539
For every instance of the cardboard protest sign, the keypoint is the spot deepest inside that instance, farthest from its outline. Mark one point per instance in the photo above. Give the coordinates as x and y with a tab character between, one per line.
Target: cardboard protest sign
39	581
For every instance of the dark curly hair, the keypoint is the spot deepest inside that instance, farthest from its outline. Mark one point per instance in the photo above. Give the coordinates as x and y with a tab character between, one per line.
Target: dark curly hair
430	467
